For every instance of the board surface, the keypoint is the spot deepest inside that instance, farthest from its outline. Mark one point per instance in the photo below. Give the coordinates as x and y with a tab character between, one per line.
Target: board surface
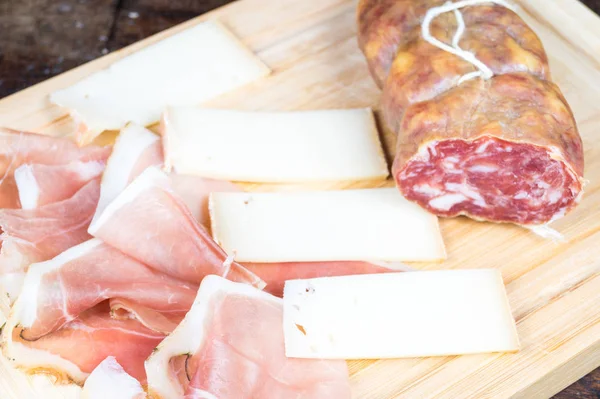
553	287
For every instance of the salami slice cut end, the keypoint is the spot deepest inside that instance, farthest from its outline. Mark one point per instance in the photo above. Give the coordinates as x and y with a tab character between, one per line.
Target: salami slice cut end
490	179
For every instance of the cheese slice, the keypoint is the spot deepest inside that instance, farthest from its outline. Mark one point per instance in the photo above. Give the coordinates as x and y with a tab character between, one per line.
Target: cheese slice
274	147
372	225
193	333
187	68
413	314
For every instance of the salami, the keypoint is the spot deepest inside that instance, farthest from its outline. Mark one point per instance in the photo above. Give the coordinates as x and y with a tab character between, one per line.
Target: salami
482	131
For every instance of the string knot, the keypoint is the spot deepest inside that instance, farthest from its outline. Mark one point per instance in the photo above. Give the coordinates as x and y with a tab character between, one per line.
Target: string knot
483	71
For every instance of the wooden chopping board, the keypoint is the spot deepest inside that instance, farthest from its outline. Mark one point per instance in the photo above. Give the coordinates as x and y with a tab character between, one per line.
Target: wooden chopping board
554	287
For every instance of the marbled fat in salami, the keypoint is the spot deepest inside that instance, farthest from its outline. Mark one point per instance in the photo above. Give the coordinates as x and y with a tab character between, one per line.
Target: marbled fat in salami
504	149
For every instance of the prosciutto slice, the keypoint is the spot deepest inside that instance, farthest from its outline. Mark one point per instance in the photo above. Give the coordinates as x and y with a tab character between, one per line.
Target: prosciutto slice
39	184
233	341
76	349
152	224
136	149
160	321
109	380
195	191
21	148
58	290
276	274
36	235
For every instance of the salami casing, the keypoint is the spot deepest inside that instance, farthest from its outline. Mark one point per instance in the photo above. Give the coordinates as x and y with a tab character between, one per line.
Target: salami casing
503	148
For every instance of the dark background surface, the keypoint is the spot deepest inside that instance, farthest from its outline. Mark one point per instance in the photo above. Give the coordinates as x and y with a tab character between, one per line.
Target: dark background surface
43	38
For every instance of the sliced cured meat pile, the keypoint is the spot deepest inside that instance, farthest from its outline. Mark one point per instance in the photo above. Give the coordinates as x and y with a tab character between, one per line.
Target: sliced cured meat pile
173	242
96	288
163	321
276	274
58	290
230	346
22	148
40	185
48	193
74	351
35	235
482	131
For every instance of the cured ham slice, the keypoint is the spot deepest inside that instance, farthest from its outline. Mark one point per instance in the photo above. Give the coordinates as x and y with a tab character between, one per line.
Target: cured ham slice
233	340
109	380
276	274
164	322
39	184
21	148
58	290
36	235
195	192
149	222
135	149
75	350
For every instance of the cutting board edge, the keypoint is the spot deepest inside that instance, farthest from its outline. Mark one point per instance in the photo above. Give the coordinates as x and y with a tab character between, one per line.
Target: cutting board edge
554	383
586	47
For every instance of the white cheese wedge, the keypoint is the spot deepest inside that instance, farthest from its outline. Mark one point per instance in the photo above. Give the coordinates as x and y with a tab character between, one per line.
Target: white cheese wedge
187	68
413	314
372	225
109	380
274	147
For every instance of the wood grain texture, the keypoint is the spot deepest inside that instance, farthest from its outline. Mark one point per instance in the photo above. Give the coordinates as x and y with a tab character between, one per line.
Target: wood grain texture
554	288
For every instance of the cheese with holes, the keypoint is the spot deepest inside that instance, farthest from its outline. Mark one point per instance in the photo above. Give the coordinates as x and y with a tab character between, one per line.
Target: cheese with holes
413	314
370	224
274	147
186	68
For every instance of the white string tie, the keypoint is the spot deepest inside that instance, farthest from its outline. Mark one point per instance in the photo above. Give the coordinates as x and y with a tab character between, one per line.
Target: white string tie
483	71
547	232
